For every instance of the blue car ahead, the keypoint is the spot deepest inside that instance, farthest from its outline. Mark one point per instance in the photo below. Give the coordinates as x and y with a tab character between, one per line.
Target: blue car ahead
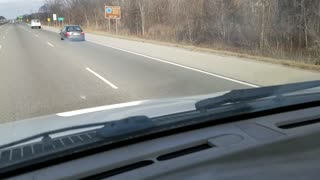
72	32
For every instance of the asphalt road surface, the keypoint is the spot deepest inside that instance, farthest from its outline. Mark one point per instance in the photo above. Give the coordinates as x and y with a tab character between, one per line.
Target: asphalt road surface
42	75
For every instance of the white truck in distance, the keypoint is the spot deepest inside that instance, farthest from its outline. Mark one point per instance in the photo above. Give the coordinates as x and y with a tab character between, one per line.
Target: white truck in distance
35	23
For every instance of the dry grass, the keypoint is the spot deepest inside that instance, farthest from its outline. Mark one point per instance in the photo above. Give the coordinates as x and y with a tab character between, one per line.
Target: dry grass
215	50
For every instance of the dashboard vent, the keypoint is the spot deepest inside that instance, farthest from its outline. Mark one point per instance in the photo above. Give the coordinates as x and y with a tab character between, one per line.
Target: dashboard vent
17	154
120	170
184	152
145	163
299	124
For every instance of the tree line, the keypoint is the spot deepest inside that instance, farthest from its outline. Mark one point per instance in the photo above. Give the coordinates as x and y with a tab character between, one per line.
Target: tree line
276	28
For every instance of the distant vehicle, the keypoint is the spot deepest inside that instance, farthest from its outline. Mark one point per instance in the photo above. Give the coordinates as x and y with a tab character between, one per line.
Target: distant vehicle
72	32
35	23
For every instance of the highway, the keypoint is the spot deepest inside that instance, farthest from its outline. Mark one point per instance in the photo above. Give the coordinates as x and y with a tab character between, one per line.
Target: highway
42	75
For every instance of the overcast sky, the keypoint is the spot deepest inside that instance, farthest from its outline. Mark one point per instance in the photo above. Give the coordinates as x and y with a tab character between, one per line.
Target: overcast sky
13	8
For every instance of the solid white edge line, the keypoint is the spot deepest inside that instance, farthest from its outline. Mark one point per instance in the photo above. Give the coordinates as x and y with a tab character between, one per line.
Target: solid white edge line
179	65
50	44
101	108
102	78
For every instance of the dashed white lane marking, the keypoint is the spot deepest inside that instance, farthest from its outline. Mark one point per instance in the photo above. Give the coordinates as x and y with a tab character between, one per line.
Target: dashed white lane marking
102	78
36	35
3	37
179	65
83	97
50	44
0	47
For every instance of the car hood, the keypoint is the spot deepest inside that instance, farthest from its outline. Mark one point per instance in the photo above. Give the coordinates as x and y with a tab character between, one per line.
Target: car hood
17	130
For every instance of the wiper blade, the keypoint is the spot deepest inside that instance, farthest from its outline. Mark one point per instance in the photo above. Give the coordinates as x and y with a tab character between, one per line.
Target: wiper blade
126	127
246	95
109	130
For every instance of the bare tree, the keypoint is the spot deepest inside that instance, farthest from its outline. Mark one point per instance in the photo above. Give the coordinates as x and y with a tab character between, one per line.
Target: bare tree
285	28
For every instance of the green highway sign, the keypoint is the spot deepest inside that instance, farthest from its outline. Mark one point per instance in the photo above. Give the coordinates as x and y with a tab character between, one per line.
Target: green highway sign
60	18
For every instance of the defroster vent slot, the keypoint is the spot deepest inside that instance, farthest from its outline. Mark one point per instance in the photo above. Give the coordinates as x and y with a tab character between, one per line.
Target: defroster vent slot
120	170
184	152
299	124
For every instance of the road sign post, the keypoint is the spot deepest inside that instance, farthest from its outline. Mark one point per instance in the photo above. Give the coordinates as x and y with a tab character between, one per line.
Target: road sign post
116	26
49	20
109	26
113	12
54	17
61	20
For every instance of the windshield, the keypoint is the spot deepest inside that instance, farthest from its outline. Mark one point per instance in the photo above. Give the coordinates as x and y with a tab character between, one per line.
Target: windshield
148	58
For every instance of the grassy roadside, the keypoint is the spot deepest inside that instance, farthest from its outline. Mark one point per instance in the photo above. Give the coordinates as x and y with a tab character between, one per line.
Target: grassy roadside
285	62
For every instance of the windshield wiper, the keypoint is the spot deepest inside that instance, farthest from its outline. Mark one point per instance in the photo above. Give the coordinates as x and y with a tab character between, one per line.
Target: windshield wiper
111	129
246	95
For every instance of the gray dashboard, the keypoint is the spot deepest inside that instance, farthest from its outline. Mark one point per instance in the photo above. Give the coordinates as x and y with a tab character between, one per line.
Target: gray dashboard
280	146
